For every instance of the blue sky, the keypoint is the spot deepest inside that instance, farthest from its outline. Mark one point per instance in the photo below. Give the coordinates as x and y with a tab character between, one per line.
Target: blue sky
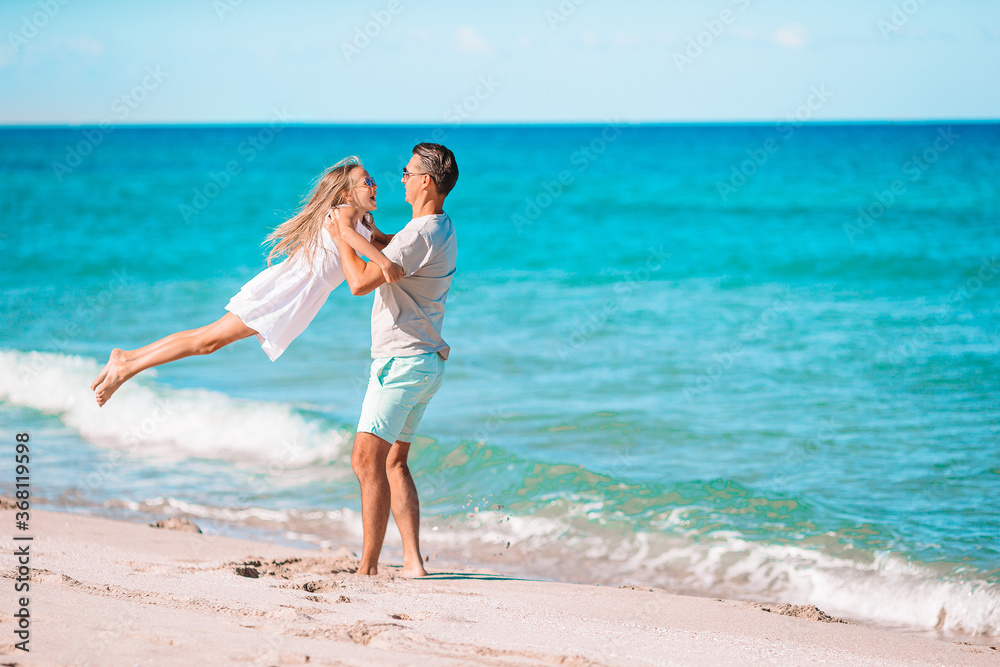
88	61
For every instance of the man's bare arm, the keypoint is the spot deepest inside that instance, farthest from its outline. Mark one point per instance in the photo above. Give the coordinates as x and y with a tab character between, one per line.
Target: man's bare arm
380	236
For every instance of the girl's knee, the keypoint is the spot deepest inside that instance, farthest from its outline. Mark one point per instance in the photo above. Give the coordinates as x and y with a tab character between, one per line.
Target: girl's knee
207	344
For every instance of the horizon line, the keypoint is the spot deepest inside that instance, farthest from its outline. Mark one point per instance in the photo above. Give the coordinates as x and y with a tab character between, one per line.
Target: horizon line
454	126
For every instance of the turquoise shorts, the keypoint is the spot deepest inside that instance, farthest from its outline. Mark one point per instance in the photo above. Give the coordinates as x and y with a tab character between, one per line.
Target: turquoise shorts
399	390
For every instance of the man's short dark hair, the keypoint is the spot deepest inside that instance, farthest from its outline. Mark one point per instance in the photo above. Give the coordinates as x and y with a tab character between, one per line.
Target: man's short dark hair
440	163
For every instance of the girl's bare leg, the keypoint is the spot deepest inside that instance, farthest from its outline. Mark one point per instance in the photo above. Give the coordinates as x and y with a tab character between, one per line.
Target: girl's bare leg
123	364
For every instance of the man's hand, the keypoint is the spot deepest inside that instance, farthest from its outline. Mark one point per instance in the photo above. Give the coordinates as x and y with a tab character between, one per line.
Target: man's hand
392	272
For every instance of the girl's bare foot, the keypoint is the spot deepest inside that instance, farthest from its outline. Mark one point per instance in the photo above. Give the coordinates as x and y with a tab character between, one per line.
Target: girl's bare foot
112	377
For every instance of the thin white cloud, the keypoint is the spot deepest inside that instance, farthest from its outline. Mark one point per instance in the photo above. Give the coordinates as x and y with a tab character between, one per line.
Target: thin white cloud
921	33
85	46
792	36
76	49
625	39
467	40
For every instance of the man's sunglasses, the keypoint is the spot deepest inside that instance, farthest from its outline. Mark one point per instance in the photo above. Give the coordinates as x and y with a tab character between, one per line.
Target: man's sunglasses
407	174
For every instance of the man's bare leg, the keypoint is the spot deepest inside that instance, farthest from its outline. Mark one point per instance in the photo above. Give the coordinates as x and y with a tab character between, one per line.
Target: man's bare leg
405	508
124	364
368	461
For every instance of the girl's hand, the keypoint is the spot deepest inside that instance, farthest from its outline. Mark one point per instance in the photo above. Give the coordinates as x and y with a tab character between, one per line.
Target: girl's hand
392	272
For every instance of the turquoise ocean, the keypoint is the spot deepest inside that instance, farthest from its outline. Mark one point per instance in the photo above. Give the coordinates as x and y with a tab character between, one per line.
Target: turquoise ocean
748	361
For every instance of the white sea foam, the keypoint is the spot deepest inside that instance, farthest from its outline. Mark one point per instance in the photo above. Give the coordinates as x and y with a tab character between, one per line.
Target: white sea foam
153	421
886	589
315	523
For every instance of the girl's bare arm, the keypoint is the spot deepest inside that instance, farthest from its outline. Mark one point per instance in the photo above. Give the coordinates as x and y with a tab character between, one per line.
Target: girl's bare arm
346	218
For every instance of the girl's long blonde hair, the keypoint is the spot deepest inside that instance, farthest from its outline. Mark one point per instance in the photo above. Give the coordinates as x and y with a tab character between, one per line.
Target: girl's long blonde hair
302	231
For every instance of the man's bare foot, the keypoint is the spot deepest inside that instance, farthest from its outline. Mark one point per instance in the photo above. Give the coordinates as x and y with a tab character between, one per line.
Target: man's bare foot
370	571
413	569
112	377
413	573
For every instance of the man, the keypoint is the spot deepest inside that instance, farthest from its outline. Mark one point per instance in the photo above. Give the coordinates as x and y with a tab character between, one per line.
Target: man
408	351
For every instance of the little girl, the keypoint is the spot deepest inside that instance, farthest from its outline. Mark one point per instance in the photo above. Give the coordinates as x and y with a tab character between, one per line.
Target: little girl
279	302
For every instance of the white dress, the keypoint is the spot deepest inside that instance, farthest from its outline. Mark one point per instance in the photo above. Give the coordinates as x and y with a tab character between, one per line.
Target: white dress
280	301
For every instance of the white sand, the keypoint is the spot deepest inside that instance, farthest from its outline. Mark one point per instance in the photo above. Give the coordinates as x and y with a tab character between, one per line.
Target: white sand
107	593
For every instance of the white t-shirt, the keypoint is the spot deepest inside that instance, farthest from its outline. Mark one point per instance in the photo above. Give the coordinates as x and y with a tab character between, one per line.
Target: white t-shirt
407	316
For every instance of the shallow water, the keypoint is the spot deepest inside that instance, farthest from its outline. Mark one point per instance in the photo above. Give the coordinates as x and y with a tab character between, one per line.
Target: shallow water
661	374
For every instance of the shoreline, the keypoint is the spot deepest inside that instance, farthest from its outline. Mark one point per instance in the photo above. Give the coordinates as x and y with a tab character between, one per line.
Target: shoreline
391	552
101	586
